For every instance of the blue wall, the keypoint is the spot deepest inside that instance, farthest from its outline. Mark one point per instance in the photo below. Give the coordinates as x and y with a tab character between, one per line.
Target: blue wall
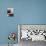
25	12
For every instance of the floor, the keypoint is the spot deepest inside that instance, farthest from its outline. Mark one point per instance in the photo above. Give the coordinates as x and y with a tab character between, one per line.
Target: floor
7	45
30	43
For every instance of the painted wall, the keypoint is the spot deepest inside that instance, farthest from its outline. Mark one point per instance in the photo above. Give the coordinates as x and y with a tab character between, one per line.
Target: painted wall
25	12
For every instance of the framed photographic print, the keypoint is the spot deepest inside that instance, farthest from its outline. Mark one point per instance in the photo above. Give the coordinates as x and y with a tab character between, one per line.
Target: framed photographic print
10	11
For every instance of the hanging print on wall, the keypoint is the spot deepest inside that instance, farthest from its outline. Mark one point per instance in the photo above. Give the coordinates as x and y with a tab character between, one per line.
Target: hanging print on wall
10	12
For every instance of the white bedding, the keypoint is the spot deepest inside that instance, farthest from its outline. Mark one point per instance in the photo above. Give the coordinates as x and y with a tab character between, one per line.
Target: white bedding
33	37
37	37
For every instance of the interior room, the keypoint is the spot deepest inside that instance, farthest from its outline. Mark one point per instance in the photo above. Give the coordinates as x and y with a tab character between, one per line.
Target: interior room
23	13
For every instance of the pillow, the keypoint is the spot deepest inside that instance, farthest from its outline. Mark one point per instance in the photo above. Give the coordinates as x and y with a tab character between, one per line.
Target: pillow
24	34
